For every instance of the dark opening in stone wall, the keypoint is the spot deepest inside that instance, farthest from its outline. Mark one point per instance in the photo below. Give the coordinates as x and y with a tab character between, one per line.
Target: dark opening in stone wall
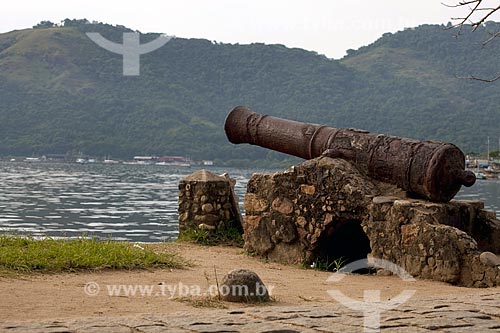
312	213
340	244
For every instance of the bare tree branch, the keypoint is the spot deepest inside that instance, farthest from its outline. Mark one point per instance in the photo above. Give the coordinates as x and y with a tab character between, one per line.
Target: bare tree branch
477	13
493	36
467	18
460	4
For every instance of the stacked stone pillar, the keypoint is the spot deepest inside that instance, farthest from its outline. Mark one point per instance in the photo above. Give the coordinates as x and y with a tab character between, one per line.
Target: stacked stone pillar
207	201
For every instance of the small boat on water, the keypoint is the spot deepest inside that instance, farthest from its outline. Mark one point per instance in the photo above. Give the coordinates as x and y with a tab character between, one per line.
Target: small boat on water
479	175
490	175
177	164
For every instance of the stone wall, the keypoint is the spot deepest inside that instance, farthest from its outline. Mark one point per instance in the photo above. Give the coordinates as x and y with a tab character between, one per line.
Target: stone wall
324	209
207	201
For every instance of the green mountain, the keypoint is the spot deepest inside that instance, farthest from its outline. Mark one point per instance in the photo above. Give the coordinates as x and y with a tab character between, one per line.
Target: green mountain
60	92
417	86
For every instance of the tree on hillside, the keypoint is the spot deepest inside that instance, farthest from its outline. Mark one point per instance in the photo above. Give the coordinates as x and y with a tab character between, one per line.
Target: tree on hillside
75	22
477	13
45	24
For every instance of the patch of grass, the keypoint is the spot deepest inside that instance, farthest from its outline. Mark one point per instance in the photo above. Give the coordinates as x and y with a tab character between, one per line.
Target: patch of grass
322	264
272	300
29	255
224	235
215	303
203	302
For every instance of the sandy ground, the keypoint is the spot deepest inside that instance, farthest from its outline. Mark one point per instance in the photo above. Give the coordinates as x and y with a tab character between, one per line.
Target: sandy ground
64	296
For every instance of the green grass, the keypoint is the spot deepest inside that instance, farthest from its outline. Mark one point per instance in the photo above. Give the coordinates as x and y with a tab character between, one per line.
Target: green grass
203	302
20	254
322	264
224	235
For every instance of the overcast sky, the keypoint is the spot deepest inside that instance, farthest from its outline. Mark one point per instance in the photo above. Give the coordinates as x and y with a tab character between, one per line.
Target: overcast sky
328	27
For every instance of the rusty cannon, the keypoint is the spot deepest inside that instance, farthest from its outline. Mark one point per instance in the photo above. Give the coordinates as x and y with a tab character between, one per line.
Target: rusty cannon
431	170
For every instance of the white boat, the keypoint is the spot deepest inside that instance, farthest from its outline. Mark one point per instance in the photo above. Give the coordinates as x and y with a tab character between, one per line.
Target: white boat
178	164
479	175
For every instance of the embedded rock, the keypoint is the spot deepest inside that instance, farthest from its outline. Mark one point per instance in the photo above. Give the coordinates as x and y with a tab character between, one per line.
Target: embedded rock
243	285
489	259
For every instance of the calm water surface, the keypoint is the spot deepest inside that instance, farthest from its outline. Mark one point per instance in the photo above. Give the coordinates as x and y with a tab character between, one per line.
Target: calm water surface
125	202
484	190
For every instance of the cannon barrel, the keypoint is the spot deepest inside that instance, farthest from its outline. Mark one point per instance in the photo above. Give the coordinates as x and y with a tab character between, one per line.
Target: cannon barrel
432	170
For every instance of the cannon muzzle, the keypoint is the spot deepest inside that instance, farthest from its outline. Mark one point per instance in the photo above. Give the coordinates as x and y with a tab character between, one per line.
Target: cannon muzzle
432	170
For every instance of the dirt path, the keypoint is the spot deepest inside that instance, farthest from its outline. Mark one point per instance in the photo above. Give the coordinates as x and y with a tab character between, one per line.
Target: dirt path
88	294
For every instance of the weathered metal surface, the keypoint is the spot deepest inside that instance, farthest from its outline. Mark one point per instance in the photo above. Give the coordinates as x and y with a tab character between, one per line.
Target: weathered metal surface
432	170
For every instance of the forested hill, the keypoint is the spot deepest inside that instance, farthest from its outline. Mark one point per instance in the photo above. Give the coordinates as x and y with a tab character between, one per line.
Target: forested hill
60	92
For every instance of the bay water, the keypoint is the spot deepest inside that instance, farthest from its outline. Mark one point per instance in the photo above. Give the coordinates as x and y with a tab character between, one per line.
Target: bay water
123	202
